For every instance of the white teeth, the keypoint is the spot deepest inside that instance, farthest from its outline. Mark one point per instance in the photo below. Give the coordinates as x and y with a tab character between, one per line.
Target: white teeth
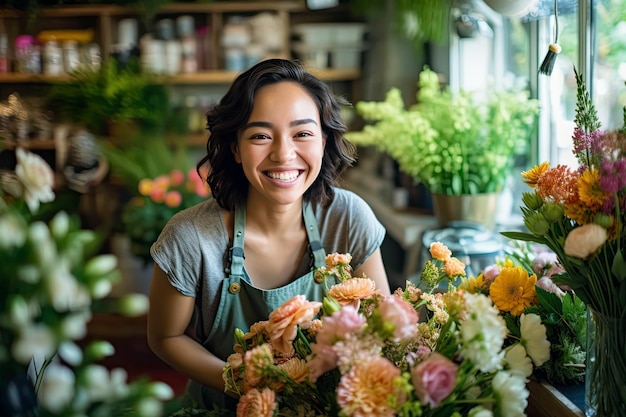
283	176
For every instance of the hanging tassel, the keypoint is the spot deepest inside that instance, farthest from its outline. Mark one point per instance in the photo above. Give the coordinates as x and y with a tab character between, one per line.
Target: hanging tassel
554	49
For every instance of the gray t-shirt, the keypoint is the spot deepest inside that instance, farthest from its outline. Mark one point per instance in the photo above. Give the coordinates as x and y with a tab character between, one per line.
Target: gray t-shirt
193	247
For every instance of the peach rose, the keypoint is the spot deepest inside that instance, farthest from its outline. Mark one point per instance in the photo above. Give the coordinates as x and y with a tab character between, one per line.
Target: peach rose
283	322
585	240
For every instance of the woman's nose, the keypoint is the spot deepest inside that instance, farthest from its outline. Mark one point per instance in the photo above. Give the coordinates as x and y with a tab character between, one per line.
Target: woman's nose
283	149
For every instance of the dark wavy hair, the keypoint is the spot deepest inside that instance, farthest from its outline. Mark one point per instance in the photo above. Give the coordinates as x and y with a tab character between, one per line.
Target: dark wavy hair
228	183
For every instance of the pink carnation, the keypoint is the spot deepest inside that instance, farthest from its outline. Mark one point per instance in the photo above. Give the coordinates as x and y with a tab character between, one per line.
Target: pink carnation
339	324
434	379
491	272
402	315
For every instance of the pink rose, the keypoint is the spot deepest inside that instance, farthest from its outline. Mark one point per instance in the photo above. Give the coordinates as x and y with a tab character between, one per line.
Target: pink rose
401	314
339	324
434	379
547	284
491	272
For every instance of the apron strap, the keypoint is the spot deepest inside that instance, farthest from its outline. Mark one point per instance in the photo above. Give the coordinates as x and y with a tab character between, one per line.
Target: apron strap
318	252
236	256
236	252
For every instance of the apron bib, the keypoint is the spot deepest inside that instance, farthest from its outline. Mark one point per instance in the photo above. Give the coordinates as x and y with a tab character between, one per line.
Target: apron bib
241	304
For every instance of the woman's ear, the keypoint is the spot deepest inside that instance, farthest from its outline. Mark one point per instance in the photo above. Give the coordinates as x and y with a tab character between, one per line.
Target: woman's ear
235	150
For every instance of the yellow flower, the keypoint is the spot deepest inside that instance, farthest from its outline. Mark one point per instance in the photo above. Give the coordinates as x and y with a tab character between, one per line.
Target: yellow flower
531	176
513	290
472	284
589	190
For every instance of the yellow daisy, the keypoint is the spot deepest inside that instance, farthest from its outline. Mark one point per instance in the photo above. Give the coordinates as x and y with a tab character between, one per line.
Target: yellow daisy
513	290
589	190
531	176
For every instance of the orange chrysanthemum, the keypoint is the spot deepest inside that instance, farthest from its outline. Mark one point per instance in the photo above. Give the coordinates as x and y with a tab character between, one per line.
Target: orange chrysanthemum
532	176
558	184
257	403
440	251
365	390
296	368
513	290
352	290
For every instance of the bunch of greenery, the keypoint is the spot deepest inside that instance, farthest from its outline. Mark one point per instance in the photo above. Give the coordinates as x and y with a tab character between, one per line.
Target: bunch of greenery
453	143
114	93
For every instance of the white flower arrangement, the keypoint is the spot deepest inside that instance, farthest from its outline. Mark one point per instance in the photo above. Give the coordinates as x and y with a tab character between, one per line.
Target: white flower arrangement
51	283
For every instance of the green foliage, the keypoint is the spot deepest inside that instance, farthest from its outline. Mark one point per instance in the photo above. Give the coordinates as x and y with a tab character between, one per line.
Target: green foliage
452	143
113	93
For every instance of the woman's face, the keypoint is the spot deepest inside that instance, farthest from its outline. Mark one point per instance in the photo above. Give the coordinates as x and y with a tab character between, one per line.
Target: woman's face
281	146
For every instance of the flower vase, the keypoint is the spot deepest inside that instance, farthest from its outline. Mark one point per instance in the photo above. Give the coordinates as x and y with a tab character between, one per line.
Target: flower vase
605	382
476	208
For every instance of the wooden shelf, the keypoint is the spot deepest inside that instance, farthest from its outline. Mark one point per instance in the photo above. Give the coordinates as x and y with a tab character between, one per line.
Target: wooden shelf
42	144
204	77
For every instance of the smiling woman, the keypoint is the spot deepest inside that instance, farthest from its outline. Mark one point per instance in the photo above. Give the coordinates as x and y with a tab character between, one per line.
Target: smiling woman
275	212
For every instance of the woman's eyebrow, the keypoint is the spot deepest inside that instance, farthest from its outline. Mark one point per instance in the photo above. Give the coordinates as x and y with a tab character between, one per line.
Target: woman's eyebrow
268	125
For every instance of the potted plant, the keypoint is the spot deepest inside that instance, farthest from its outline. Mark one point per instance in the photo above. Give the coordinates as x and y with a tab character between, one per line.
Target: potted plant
455	144
112	95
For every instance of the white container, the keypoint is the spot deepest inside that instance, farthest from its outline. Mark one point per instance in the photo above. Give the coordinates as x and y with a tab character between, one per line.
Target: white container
352	34
71	56
127	33
346	58
173	57
322	35
52	58
311	55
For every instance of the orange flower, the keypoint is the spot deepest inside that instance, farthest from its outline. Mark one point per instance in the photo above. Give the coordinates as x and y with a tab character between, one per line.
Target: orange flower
365	390
257	403
335	259
283	322
513	290
559	184
440	251
352	290
296	368
453	268
532	176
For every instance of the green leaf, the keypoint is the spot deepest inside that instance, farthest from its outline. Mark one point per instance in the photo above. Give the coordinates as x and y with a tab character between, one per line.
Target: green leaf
550	301
619	266
526	237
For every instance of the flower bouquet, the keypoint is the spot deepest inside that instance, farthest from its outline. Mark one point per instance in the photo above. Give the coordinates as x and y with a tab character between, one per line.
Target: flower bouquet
359	353
523	284
579	214
50	284
158	199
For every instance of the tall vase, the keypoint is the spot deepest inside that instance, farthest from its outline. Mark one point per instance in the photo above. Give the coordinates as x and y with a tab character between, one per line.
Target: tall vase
605	383
477	208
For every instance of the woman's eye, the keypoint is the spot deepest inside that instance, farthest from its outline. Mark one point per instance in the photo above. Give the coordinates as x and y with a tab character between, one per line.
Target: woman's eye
259	136
304	134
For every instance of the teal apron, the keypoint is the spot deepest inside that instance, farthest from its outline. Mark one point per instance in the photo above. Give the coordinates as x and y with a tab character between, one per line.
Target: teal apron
241	304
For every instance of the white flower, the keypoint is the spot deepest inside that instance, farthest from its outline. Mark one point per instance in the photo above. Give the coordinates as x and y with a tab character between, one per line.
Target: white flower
19	313
36	176
44	248
30	274
480	412
71	353
101	288
61	286
97	382
483	333
161	391
60	224
518	361
511	394
534	338
12	234
149	407
74	326
584	240
37	340
119	388
133	305
57	388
